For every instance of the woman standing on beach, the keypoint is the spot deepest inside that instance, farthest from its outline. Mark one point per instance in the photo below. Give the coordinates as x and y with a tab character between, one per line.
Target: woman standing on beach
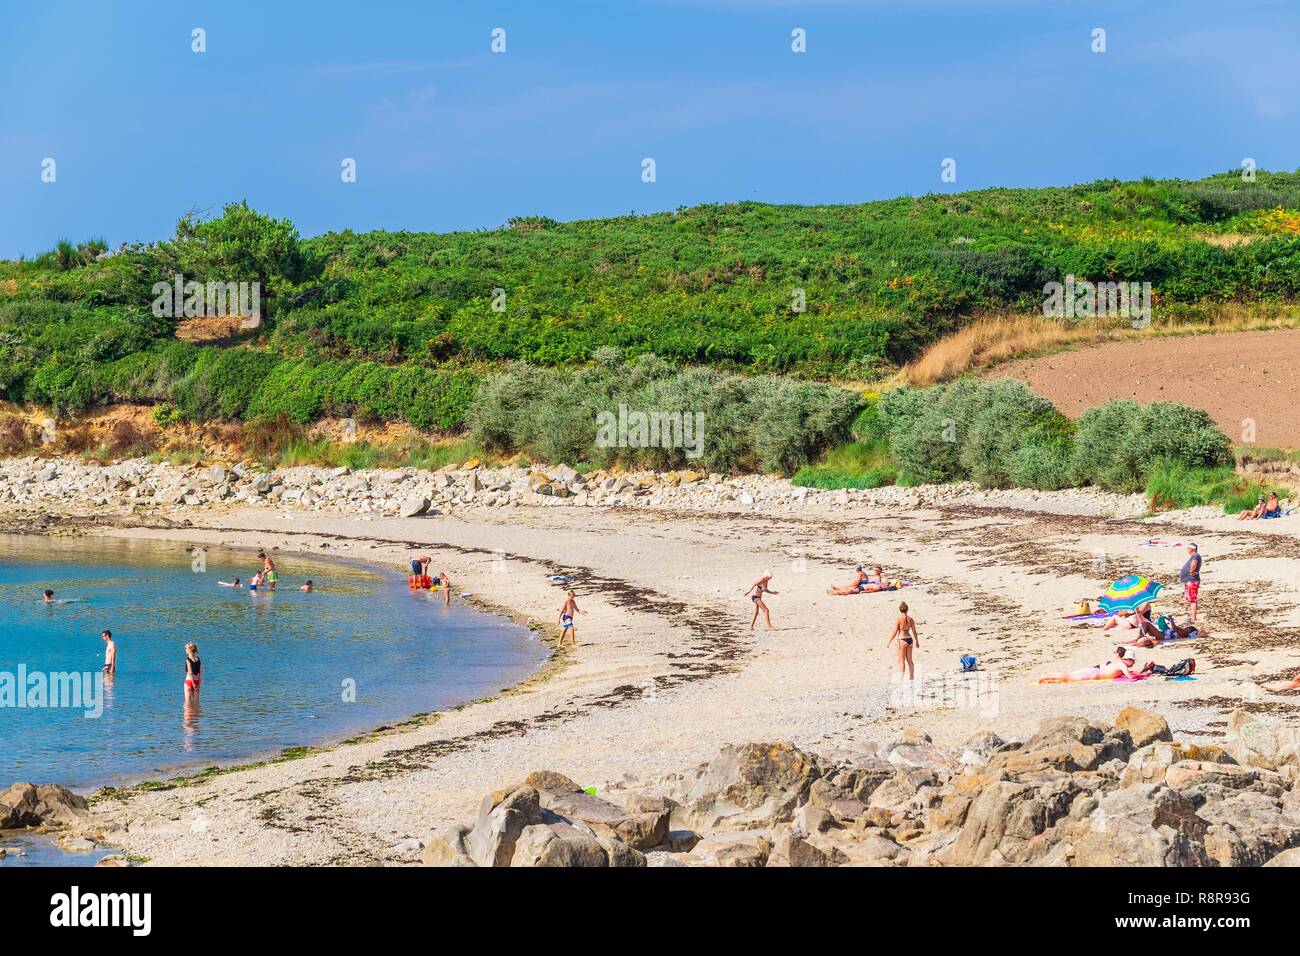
755	592
908	638
193	671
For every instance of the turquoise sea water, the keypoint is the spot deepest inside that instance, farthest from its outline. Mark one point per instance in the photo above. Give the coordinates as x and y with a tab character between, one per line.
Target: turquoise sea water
276	667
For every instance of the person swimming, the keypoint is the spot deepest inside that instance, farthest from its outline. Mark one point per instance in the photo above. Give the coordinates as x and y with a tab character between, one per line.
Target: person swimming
230	584
48	597
306	587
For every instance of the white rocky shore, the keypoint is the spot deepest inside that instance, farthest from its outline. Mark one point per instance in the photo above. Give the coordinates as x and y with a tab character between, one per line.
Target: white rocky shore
1079	792
138	486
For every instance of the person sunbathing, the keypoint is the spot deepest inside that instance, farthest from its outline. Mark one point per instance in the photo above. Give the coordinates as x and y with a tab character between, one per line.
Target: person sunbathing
1155	637
864	583
1249	514
1272	507
1121	665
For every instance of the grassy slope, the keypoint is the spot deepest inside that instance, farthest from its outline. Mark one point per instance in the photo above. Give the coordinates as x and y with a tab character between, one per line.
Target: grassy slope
708	285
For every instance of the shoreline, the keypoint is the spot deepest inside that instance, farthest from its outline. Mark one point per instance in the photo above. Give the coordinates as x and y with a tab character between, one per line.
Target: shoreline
666	670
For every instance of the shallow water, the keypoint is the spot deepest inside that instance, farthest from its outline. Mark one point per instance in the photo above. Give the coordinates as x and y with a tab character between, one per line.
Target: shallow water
276	667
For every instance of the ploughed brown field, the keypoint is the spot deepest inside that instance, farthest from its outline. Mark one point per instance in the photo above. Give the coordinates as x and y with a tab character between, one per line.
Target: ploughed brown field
1234	376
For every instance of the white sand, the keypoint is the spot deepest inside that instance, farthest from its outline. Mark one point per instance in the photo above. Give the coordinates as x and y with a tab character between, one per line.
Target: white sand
666	610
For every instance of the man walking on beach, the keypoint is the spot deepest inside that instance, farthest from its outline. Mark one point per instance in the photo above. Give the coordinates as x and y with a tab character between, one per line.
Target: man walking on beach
1190	575
110	653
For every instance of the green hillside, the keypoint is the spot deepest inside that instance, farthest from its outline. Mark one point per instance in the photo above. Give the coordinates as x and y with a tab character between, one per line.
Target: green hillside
391	325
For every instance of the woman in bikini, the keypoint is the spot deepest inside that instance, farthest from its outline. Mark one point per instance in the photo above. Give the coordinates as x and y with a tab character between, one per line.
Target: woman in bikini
755	593
908	639
1121	665
193	670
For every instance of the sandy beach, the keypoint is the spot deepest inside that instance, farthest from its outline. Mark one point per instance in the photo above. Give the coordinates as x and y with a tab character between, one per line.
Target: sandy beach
667	671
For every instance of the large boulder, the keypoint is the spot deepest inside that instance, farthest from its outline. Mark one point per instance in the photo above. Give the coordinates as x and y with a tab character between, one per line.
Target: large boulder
447	848
47	805
1142	825
747	786
1150	763
1248	829
1143	726
557	845
500	823
1259	744
1002	820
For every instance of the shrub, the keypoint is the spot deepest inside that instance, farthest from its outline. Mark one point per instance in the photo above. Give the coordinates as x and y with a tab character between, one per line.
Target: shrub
1118	444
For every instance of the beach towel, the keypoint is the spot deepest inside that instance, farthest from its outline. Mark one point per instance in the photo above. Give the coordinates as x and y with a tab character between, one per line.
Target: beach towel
1181	677
1094	616
1121	679
1159	543
561	579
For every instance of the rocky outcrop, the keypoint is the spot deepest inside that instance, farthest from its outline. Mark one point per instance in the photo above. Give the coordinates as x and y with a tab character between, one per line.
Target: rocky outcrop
47	806
1078	792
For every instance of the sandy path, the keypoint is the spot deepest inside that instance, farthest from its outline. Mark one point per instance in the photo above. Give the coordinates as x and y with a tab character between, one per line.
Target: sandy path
1236	376
667	669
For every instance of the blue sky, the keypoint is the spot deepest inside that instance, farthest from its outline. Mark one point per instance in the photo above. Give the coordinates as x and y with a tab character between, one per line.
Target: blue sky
448	135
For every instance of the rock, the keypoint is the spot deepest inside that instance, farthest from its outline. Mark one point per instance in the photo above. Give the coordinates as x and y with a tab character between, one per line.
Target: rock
1152	762
447	848
1006	816
1248	829
748	785
492	841
638	830
791	849
216	475
113	859
743	848
1286	858
1143	726
48	805
413	506
1142	825
546	845
808	820
1254	742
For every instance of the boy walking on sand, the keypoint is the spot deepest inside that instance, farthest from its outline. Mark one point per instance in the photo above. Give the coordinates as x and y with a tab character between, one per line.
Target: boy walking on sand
569	609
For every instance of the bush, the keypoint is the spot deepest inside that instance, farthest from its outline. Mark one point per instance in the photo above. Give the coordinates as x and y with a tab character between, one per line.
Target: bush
1118	444
761	422
995	433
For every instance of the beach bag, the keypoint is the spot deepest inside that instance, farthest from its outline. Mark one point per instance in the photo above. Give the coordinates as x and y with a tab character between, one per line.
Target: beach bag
1084	608
1163	624
1184	668
968	662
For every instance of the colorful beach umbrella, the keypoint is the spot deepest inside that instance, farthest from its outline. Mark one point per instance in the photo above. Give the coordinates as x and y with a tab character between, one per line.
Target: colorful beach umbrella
1129	593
